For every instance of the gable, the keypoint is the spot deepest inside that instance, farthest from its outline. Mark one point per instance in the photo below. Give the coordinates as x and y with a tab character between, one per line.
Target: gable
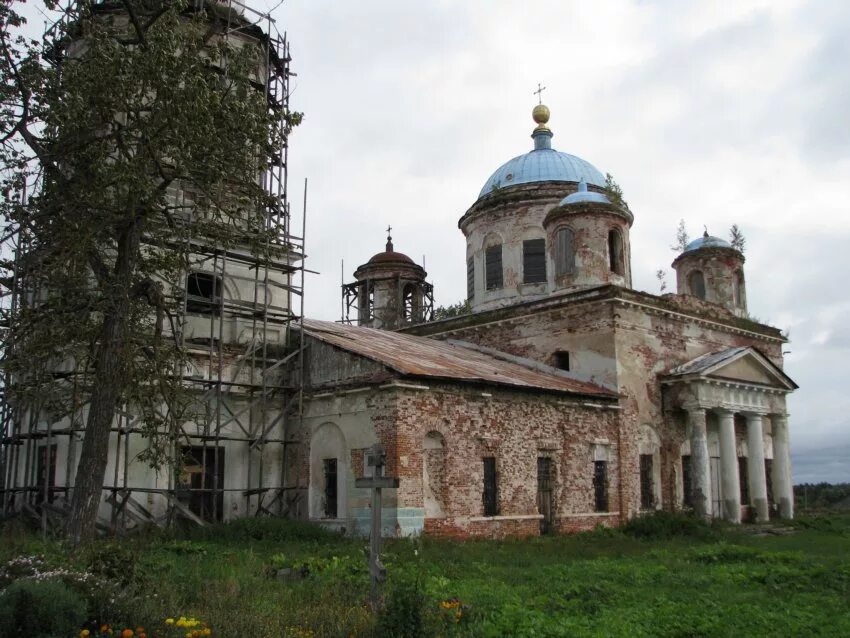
745	364
747	369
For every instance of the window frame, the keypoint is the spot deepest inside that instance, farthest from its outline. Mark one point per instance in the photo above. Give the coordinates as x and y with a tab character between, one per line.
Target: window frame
490	487
538	268
565	260
494	271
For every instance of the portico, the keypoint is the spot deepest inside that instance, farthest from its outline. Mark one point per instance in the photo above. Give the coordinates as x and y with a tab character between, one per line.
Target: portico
736	422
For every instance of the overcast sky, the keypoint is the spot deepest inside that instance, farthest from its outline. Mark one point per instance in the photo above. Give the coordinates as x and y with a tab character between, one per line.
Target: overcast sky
715	112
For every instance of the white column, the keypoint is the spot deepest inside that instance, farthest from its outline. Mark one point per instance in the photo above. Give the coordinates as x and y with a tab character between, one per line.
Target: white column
700	467
729	479
755	467
783	491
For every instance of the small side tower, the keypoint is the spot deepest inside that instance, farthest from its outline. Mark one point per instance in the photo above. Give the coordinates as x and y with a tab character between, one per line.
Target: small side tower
390	291
712	270
589	239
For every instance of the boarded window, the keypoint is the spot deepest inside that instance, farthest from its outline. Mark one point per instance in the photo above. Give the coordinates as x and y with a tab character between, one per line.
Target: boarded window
329	466
565	256
470	277
203	293
647	484
696	284
534	261
600	486
491	491
562	360
744	479
687	483
493	270
615	252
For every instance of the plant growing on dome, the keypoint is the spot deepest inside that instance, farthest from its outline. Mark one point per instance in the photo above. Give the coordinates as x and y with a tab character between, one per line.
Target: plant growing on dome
682	238
614	192
737	239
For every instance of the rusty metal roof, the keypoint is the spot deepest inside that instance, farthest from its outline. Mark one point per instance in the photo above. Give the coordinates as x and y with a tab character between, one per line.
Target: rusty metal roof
414	356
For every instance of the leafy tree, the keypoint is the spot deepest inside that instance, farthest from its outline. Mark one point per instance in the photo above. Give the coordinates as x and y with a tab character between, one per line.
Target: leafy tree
455	310
682	238
614	192
138	139
736	238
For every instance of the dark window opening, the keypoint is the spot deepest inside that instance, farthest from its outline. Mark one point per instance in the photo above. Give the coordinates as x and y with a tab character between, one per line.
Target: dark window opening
412	307
565	257
696	283
744	479
46	474
647	484
330	488
600	486
545	505
534	261
768	475
470	277
203	294
201	481
491	488
687	483
615	252
562	360
493	270
365	302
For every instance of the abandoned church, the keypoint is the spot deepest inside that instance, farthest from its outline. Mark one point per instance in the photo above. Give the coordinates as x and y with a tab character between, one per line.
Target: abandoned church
562	399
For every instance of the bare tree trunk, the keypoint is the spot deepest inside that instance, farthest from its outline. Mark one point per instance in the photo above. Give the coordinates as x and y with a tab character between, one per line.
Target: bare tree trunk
109	381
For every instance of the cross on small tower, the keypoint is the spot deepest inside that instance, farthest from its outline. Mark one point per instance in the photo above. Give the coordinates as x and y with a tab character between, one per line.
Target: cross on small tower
389	239
389	230
540	89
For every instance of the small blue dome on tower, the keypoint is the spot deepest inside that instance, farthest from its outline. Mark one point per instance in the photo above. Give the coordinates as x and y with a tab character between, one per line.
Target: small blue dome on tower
707	241
543	164
583	195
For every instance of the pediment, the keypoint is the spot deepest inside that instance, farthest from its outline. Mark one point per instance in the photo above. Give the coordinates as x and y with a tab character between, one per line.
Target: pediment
747	369
743	365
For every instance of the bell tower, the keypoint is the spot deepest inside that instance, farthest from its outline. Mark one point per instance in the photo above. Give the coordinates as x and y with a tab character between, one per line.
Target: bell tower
389	292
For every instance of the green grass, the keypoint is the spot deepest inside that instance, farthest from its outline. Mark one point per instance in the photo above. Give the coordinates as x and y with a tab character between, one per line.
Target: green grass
694	582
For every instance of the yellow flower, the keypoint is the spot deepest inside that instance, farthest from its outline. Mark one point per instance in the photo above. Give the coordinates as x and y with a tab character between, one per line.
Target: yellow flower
169	621
85	633
207	631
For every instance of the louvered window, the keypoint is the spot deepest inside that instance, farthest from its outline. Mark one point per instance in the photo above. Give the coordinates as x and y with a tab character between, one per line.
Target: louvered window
534	261
470	277
565	257
491	488
493	258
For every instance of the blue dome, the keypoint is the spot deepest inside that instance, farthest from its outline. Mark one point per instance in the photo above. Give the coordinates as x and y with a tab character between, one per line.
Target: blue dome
543	164
707	241
583	195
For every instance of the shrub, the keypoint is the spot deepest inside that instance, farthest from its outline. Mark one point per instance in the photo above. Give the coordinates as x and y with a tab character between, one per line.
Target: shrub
40	609
404	612
665	525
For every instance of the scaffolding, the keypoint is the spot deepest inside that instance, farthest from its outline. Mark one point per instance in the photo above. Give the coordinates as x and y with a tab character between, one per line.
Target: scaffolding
239	345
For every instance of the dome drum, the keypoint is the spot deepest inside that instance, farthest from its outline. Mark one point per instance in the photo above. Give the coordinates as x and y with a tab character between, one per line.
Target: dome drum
711	270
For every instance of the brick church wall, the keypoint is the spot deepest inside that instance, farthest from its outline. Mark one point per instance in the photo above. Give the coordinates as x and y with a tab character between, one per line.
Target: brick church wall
515	428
